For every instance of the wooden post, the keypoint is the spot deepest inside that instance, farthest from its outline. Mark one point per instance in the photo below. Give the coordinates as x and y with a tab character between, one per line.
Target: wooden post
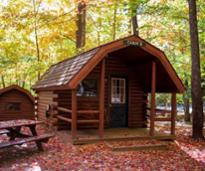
153	91
74	115
173	113
102	99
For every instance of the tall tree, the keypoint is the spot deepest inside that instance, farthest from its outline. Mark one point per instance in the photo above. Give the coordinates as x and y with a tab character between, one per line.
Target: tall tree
187	117
36	34
114	20
134	19
3	81
137	7
81	25
197	103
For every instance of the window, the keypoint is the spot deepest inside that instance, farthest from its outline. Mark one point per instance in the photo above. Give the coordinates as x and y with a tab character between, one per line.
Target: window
13	106
118	91
88	88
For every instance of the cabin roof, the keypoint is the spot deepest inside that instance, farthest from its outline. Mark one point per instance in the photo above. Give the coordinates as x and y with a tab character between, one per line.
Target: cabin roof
68	73
62	72
18	88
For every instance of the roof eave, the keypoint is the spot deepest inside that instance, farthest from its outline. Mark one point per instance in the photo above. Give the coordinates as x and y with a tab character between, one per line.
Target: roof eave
51	88
119	44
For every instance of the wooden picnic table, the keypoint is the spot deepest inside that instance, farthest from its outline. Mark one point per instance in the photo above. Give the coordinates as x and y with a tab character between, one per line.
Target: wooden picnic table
18	123
13	130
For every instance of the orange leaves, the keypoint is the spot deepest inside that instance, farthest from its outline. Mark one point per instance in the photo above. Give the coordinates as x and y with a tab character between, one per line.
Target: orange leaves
45	40
60	154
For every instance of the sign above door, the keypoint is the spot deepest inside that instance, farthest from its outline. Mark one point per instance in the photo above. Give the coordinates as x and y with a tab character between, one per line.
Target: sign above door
132	43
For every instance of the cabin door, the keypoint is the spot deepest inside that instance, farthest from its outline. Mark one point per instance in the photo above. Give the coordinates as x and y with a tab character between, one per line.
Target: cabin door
118	102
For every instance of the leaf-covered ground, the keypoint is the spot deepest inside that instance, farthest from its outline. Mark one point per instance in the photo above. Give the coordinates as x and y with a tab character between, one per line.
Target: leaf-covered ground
184	154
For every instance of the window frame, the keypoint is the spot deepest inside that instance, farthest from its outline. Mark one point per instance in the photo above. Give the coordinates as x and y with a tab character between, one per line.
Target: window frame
97	88
119	89
13	103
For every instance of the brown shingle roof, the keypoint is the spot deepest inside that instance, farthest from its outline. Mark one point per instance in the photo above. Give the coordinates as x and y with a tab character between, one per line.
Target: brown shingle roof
62	72
68	73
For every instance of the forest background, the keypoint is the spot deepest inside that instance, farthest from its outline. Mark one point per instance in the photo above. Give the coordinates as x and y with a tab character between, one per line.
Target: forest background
34	34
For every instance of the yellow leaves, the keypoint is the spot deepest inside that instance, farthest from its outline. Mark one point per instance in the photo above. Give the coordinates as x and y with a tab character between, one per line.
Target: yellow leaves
81	1
45	40
56	26
163	1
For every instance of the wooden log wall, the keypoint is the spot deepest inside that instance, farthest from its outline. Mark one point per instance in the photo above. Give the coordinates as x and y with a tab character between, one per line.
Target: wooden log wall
136	100
137	103
44	99
14	96
63	100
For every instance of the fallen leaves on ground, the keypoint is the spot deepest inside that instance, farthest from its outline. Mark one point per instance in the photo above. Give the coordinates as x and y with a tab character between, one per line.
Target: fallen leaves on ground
185	154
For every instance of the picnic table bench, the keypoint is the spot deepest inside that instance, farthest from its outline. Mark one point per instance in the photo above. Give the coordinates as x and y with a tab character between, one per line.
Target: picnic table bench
13	130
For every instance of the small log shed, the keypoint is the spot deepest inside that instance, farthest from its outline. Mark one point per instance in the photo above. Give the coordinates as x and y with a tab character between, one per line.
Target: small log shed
108	86
16	103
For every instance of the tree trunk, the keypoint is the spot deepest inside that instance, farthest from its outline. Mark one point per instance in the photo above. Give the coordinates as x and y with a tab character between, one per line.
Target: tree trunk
197	103
3	81
99	29
187	117
36	36
23	84
135	26
114	20
81	25
30	83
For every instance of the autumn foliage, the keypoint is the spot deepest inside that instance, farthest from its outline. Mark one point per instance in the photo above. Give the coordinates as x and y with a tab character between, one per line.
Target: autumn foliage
183	154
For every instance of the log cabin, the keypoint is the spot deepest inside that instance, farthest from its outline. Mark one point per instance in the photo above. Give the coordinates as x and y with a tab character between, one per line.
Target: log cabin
16	103
108	87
